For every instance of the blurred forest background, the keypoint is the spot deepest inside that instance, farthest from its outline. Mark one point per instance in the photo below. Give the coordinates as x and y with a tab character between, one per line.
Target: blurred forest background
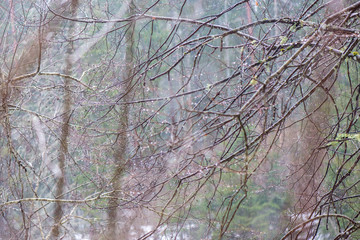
179	119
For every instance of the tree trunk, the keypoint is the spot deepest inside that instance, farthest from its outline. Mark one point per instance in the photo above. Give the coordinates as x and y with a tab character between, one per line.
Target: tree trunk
308	157
63	151
120	158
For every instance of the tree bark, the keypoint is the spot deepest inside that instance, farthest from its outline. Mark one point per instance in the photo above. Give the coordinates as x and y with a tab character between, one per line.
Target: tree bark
63	151
308	157
120	158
